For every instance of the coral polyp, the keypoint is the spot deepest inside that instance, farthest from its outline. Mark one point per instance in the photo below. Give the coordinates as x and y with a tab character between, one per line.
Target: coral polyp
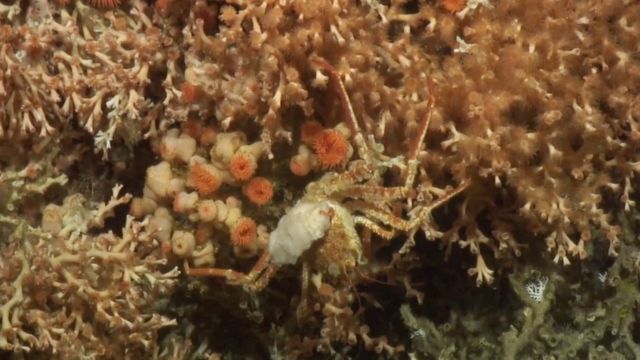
331	148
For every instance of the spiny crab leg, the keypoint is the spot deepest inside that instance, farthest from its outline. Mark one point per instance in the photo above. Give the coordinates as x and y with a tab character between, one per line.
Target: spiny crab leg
230	275
303	307
379	194
415	147
375	228
422	212
360	141
257	279
352	122
394	222
424	123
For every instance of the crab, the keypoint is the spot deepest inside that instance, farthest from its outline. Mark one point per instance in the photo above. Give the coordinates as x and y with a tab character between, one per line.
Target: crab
321	228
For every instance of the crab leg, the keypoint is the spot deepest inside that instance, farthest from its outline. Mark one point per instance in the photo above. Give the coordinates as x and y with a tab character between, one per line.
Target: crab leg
395	222
375	228
381	215
263	263
257	279
363	150
229	274
379	193
339	182
424	211
424	123
265	277
352	122
420	138
303	308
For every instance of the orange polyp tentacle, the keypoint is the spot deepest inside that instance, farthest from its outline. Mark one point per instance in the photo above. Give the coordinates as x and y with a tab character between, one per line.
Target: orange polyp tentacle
242	166
243	233
259	190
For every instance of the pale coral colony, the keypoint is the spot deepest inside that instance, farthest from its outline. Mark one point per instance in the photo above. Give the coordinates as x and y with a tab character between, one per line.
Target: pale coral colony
289	165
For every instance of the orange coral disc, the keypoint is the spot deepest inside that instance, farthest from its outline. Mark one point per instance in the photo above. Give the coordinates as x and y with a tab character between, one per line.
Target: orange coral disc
331	148
105	3
309	131
204	178
190	92
242	166
259	190
243	232
454	5
299	166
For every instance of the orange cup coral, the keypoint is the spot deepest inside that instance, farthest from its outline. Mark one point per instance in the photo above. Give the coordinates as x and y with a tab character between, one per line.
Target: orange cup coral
259	190
205	178
332	148
242	166
243	232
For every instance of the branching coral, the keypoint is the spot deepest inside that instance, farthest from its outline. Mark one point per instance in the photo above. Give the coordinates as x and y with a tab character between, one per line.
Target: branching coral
64	66
539	122
72	283
67	291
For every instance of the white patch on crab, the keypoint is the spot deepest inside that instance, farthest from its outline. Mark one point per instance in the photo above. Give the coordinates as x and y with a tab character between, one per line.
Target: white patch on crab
298	229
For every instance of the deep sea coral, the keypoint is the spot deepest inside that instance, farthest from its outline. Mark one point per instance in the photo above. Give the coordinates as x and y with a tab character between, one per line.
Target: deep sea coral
68	290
